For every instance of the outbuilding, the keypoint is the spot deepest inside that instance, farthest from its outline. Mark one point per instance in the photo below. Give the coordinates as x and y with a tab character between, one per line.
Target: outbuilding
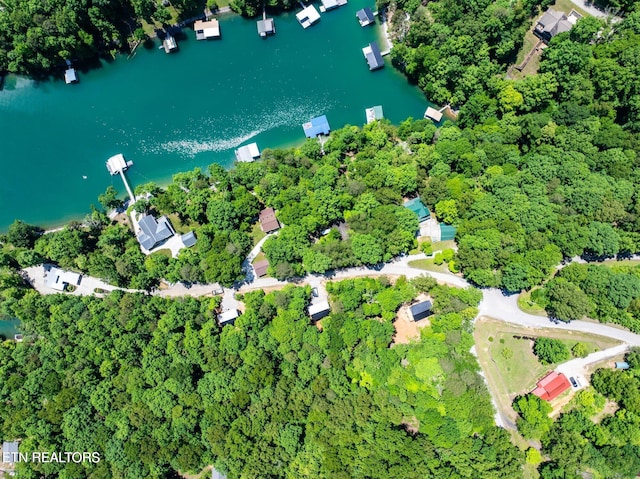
260	267
551	386
188	239
421	310
622	365
268	220
319	310
418	208
228	317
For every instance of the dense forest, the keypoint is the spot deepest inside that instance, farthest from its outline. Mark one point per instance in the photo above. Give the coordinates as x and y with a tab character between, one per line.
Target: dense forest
584	439
156	386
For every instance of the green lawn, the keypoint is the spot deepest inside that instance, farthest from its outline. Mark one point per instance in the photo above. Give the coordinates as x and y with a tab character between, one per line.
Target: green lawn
259	257
442	245
566	6
429	265
528	306
257	234
180	227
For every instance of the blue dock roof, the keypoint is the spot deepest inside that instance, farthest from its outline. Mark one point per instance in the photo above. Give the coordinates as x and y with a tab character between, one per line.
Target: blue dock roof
317	126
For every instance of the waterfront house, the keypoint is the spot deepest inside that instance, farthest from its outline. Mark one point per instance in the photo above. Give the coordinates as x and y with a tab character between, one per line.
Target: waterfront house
169	43
319	310
228	317
70	76
331	4
260	267
365	17
417	206
433	114
551	386
317	126
153	232
207	29
552	22
308	16
266	26
248	153
268	220
58	279
421	310
188	239
374	113
372	54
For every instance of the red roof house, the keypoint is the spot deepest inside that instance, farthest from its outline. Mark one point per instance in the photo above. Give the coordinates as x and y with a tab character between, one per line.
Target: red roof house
268	220
551	386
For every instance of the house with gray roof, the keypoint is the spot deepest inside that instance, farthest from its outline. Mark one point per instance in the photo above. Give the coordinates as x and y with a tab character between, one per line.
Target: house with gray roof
153	232
552	22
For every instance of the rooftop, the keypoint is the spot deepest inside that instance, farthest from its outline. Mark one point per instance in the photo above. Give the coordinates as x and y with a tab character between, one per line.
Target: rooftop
317	126
417	206
551	386
331	4
169	44
189	239
152	231
421	310
248	153
228	316
261	267
319	310
365	17
117	163
70	76
207	29
308	16
10	451
268	220
374	113
372	54
56	278
433	114
266	27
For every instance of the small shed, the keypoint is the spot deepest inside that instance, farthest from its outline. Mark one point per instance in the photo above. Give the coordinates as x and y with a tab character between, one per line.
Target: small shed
418	208
622	365
365	17
421	310
266	27
169	43
228	317
260	267
372	54
447	232
248	153
319	310
10	452
317	126
188	239
268	220
374	113
207	29
433	114
70	76
308	16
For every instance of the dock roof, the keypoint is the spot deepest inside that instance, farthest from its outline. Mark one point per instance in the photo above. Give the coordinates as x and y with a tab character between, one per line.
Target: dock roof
374	113
372	55
317	126
207	29
433	114
365	17
169	44
116	163
308	16
248	153
70	75
188	239
266	27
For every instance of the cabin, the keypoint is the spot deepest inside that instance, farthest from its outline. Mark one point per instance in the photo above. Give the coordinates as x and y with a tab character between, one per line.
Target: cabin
374	113
308	16
433	114
248	153
228	317
551	386
622	365
552	22
188	239
117	163
365	17
331	4
268	220
58	279
207	29
266	27
317	126
70	76
154	232
421	310
10	452
372	54
417	206
319	310
169	44
260	267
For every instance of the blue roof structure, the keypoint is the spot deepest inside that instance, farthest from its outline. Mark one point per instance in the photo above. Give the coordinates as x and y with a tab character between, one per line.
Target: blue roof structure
418	208
189	239
447	232
365	16
421	310
317	126
153	232
622	365
373	56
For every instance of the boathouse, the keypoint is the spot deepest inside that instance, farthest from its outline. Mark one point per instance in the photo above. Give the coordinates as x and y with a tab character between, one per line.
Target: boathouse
266	27
207	29
228	317
59	279
117	163
308	16
248	153
268	220
421	310
372	54
433	114
169	43
317	126
331	4
365	17
70	76
153	232
374	113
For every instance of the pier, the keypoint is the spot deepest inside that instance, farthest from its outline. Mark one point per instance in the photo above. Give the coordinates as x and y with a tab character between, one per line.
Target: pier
117	164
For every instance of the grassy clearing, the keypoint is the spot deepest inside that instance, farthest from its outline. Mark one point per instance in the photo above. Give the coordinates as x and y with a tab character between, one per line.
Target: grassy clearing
163	252
442	245
528	306
259	257
179	226
567	5
429	265
257	234
530	41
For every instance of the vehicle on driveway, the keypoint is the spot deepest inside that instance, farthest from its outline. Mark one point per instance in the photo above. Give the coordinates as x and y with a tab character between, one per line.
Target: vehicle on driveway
573	381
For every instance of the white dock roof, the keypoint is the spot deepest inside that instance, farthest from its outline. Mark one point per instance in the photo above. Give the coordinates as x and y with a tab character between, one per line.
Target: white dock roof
434	114
308	16
248	153
116	163
70	76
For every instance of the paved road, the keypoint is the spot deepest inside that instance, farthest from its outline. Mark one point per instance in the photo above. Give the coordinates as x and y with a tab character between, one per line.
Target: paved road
577	368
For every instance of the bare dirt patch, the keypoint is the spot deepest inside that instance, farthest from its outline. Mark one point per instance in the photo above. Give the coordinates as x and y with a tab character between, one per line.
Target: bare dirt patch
407	329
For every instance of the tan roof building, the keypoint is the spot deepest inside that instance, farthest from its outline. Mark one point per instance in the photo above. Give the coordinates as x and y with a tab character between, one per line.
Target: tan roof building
268	220
261	267
205	30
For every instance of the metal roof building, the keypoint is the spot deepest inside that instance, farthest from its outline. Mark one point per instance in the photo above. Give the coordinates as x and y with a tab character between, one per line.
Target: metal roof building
447	232
58	279
331	4
421	310
308	16
205	30
551	386
228	317
374	113
317	126
418	208
372	54
169	44
433	114
622	365
319	310
10	452
260	267
248	153
365	17
268	220
188	239
266	27
70	75
152	231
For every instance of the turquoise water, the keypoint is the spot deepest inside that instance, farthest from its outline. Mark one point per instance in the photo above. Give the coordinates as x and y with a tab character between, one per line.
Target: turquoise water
9	327
171	113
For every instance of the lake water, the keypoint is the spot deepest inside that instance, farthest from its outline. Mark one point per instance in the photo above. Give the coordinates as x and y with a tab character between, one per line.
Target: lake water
9	327
171	113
